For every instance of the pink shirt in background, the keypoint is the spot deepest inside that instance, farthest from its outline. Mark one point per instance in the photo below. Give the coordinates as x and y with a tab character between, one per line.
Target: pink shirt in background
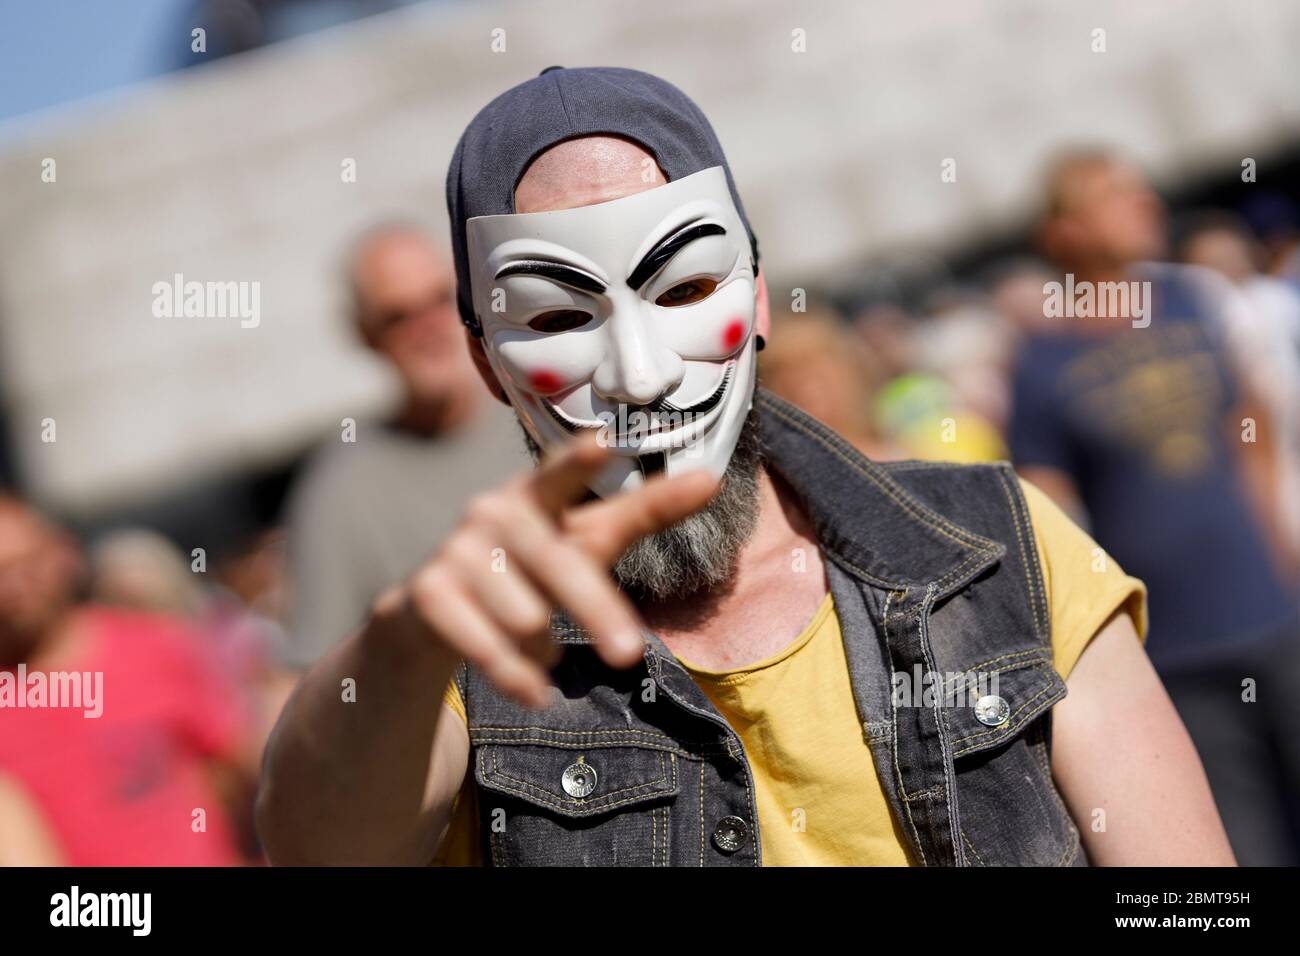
121	789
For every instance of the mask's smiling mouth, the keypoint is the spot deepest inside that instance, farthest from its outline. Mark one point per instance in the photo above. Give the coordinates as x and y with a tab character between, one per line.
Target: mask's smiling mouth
657	418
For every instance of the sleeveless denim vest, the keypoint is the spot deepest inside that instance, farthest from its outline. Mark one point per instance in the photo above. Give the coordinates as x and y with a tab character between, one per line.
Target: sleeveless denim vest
933	573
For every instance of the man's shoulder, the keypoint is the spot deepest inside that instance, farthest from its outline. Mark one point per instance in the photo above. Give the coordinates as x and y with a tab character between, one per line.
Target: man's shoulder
1201	291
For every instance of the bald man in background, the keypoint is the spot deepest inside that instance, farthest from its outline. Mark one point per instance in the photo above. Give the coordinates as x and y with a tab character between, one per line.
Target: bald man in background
365	513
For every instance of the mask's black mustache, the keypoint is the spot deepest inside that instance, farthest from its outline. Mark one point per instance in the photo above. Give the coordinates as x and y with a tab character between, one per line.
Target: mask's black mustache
664	406
659	406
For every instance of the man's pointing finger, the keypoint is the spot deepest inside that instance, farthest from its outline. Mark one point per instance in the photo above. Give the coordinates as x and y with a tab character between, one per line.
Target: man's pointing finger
607	528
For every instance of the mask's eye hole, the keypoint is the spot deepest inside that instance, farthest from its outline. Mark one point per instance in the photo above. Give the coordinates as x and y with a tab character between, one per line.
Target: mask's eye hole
684	293
559	321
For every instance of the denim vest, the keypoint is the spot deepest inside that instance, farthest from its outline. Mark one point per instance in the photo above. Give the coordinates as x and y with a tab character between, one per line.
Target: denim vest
933	573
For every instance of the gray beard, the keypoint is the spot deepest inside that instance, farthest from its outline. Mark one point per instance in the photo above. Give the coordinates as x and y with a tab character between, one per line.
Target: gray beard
699	552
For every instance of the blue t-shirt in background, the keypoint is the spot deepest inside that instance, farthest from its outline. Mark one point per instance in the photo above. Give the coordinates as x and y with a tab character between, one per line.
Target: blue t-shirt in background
1138	417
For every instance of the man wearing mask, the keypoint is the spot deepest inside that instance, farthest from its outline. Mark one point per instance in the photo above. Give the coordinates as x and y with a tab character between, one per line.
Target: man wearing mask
746	689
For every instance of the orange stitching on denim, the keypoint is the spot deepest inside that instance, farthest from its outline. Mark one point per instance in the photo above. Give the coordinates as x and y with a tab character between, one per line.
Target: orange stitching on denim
701	813
914	464
922	796
698	749
599	805
922	513
666	846
879	730
912	506
1037	655
974	852
662	778
1036	658
461	678
580	733
898	772
1029	557
484	739
1007	729
941	718
1072	848
1011	723
753	812
654	835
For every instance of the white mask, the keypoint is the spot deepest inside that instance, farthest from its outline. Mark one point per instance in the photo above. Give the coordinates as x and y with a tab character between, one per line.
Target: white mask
574	344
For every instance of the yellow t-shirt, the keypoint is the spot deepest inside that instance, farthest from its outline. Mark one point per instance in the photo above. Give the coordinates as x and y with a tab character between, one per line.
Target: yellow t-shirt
819	802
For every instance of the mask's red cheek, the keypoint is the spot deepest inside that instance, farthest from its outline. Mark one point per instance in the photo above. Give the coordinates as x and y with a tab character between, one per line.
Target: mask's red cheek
734	334
544	381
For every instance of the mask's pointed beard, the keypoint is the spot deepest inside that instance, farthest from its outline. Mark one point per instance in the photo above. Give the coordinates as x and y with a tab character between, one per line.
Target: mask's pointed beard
652	464
700	551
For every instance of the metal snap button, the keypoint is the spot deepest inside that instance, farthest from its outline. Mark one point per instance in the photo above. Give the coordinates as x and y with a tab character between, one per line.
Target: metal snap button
579	779
992	710
730	834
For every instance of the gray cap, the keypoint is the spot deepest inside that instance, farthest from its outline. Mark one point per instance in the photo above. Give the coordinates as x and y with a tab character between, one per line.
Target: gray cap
559	104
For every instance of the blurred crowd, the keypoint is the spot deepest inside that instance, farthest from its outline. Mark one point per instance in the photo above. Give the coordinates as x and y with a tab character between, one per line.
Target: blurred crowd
1169	429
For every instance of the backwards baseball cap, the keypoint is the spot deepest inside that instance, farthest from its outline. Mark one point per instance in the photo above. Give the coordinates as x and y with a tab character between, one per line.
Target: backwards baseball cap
560	104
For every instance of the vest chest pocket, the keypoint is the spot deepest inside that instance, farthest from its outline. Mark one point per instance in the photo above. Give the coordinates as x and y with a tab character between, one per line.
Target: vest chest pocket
1009	808
559	806
1001	704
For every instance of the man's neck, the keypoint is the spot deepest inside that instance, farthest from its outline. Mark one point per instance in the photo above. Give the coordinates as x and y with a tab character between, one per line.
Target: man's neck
1098	275
779	581
1100	272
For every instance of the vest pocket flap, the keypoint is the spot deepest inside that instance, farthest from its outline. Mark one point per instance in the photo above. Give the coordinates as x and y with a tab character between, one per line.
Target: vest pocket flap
577	783
999	704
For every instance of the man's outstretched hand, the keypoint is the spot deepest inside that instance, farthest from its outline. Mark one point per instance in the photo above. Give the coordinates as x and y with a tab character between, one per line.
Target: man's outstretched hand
528	546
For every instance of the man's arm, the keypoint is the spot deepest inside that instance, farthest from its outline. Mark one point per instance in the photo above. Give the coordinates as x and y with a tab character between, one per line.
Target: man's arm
1120	747
369	777
25	840
369	780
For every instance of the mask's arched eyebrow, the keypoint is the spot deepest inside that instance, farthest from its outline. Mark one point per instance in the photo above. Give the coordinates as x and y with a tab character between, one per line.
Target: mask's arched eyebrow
556	271
668	247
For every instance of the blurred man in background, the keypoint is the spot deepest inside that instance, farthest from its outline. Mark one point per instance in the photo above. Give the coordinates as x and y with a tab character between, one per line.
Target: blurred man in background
1135	422
365	512
137	776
